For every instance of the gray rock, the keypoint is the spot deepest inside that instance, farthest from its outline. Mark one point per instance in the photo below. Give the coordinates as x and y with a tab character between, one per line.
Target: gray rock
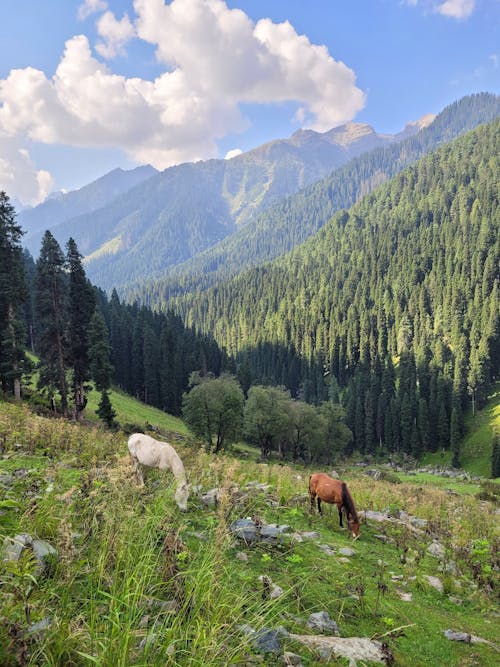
267	641
242	556
21	472
458	636
273	531
210	497
345	551
327	549
437	550
44	552
6	480
435	582
14	546
40	627
403	595
334	474
291	659
321	621
311	535
455	600
244	529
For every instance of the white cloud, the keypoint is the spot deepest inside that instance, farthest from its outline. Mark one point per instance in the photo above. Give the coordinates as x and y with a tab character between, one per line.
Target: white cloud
91	7
115	34
215	59
457	9
18	176
233	153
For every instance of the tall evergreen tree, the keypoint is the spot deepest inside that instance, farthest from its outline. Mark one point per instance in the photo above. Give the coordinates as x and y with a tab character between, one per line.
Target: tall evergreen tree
81	306
50	309
101	370
13	362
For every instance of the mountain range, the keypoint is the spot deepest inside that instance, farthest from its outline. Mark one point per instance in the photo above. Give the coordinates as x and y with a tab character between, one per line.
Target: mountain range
168	217
154	234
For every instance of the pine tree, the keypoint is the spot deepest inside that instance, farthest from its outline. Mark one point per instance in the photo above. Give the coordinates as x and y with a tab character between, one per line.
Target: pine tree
455	433
50	309
101	370
495	457
13	362
81	306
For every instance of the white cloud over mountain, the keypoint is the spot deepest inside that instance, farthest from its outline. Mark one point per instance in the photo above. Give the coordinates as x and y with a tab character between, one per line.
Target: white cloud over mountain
18	176
457	9
215	59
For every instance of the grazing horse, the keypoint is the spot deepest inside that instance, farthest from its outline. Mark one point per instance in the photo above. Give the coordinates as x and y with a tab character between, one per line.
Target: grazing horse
155	454
324	487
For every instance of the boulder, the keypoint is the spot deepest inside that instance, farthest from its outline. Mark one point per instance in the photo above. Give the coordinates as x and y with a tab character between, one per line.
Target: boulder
321	621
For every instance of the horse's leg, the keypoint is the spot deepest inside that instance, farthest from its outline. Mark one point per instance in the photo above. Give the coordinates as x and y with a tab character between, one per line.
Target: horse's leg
312	498
138	471
319	506
339	507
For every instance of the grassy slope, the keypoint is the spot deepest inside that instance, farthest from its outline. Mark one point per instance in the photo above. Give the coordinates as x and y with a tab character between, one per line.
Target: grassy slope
131	411
123	548
480	429
476	445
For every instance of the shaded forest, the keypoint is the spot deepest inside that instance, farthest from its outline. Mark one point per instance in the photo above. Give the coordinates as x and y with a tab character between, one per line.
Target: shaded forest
393	305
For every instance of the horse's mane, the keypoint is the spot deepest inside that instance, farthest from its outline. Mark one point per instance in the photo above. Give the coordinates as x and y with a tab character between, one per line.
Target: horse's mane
348	502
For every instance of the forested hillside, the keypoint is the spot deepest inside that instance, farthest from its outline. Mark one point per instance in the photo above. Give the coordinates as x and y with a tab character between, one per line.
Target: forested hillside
394	304
176	214
285	225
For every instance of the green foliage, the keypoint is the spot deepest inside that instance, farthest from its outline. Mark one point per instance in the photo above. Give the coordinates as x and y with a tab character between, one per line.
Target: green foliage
402	279
13	362
131	568
287	224
213	409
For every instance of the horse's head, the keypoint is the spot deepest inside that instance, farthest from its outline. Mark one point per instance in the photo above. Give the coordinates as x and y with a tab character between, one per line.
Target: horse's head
181	496
353	524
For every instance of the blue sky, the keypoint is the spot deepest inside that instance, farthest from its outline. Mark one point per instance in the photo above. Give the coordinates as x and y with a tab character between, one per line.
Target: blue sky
164	82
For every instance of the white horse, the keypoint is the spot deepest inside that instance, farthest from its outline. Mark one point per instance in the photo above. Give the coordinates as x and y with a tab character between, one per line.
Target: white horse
155	454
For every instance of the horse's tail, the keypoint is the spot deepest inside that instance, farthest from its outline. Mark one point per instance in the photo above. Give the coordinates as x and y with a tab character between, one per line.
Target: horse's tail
348	502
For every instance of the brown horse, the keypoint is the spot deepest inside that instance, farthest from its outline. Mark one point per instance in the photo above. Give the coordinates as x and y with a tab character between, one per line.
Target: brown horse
323	487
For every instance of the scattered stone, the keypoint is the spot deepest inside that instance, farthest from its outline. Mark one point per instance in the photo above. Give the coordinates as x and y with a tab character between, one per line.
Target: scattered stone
242	556
352	648
436	549
40	628
345	551
435	582
311	535
44	552
14	546
327	549
273	591
144	621
6	480
268	641
321	621
334	474
455	636
406	597
291	659
248	531
210	497
20	473
343	559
